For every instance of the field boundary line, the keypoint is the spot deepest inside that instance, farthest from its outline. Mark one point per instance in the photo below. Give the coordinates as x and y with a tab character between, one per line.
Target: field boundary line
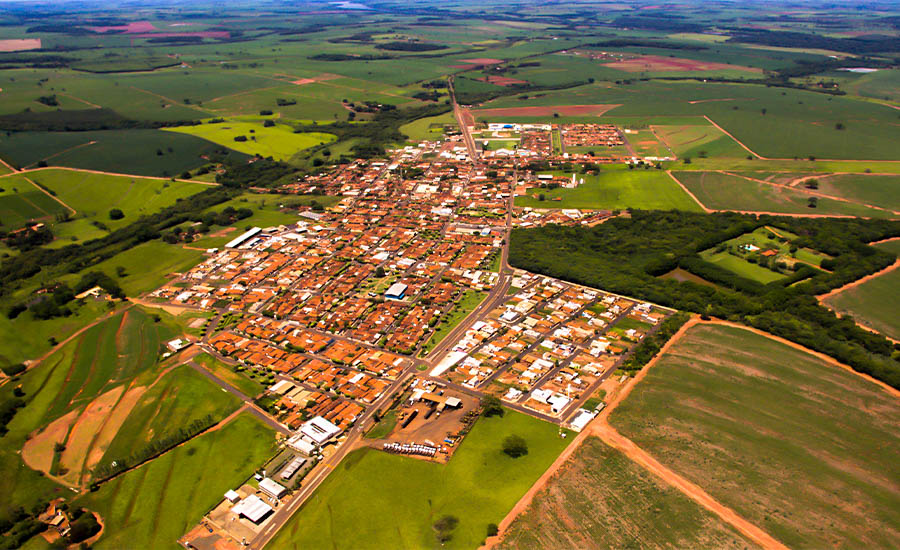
686	190
614	439
49	194
12	170
736	140
852	284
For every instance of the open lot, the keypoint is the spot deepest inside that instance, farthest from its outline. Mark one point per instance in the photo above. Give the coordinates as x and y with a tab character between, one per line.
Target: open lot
601	499
616	189
801	448
874	302
478	486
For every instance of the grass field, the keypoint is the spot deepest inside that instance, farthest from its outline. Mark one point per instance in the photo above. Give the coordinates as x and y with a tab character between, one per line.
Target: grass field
741	266
467	303
874	303
601	499
878	190
616	189
175	400
478	486
807	451
720	191
249	387
154	505
22	202
139	152
277	141
428	128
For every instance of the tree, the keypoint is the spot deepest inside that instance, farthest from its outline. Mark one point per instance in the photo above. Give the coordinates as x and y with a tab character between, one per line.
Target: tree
116	214
490	406
515	446
813	202
443	528
492	530
379	272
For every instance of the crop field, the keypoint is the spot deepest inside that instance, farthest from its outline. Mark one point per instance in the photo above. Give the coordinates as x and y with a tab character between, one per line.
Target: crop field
428	128
155	504
21	202
478	486
94	195
278	141
139	152
692	140
773	122
724	191
877	190
884	85
601	499
616	189
807	451
874	302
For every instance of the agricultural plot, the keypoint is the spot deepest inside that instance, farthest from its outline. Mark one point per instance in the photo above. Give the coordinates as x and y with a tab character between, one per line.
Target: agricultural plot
773	122
22	202
874	302
694	141
248	386
882	191
278	141
94	195
646	144
601	499
139	152
485	485
155	504
431	128
615	189
724	191
803	449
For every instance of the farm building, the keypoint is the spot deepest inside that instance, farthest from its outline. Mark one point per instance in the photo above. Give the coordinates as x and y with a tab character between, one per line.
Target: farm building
272	488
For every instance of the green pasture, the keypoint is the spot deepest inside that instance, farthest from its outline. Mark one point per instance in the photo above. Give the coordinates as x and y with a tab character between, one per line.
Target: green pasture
155	504
428	128
227	373
478	486
615	189
612	502
877	190
801	448
278	141
741	267
873	303
173	401
22	202
721	191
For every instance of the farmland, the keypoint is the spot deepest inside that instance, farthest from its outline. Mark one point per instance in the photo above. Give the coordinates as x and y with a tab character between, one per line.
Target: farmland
600	499
873	303
799	447
486	485
278	141
726	191
152	506
616	189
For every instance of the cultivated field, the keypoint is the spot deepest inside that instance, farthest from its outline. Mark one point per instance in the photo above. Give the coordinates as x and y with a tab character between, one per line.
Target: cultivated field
154	505
478	486
874	302
616	189
601	499
278	141
803	449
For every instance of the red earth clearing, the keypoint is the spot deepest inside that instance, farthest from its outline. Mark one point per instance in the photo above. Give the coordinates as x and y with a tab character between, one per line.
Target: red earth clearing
658	63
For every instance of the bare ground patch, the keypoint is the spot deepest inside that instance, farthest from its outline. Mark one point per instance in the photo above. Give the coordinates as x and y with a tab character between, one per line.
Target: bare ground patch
84	431
38	451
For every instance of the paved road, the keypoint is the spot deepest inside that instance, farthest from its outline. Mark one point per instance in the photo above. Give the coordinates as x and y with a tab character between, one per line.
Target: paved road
463	123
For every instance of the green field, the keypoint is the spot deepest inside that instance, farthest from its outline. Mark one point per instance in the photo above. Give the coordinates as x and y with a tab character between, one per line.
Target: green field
616	189
877	190
807	451
466	304
154	505
279	141
741	266
139	152
721	191
874	303
22	202
175	400
478	486
608	501
430	128
248	386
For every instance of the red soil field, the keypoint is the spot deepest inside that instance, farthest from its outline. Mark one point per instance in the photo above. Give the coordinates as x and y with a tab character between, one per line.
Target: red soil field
658	63
563	110
136	26
482	61
20	44
501	80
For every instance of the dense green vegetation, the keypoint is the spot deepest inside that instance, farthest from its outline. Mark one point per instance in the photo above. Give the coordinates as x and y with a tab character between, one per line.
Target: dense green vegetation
751	420
627	256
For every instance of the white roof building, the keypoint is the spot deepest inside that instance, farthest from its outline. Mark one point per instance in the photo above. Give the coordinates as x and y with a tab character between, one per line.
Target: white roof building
272	488
252	508
319	430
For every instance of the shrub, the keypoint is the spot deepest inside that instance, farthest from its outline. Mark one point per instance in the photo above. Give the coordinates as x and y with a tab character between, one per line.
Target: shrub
116	214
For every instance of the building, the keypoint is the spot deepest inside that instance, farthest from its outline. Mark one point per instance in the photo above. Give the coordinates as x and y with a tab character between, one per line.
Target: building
396	292
318	430
243	238
252	508
232	496
272	488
